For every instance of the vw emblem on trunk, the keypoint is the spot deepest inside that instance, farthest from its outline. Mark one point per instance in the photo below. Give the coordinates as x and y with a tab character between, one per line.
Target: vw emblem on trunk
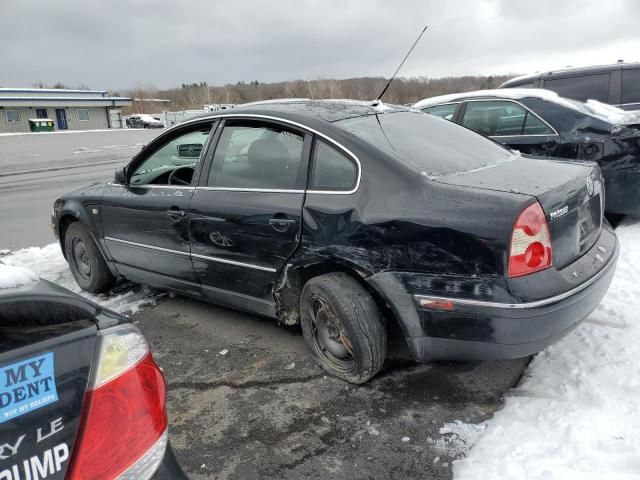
590	185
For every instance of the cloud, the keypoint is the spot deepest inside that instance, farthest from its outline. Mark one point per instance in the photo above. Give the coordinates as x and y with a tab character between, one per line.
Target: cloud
120	44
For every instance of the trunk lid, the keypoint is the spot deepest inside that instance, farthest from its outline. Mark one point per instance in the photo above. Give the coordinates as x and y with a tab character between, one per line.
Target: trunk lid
571	194
47	343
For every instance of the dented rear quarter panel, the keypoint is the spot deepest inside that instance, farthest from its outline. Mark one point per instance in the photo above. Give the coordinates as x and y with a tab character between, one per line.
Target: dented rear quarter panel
399	220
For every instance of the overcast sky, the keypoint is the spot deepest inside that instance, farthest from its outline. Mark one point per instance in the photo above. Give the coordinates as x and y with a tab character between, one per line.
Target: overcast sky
124	44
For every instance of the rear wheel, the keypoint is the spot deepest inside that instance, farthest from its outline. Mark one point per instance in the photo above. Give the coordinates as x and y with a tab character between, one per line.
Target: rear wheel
87	265
342	327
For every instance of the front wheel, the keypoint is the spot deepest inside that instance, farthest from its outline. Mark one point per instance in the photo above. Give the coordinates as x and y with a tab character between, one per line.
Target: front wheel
342	327
85	260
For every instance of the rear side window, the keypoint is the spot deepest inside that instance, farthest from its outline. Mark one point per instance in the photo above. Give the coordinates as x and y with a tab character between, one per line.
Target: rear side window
257	156
583	88
631	86
430	146
442	111
332	170
502	118
534	126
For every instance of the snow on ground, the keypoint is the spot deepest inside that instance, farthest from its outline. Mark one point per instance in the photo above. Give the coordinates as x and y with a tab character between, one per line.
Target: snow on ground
65	132
576	412
48	263
12	276
104	148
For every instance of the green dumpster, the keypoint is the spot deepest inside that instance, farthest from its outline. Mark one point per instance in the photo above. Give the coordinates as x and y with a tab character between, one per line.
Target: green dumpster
41	124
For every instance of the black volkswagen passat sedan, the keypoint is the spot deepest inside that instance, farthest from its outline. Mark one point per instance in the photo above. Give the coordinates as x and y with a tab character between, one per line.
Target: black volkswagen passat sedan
344	216
80	394
540	123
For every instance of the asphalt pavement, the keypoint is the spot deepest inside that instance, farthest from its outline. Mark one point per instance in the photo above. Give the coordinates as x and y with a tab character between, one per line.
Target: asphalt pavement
246	402
35	169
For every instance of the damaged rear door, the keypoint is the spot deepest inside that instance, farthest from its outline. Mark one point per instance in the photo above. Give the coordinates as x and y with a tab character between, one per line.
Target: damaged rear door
246	212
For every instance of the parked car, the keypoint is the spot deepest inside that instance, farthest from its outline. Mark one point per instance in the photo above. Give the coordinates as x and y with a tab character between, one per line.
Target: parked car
617	84
143	120
80	394
343	216
541	123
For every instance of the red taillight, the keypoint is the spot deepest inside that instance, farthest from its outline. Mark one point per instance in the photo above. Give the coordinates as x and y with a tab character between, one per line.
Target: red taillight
124	419
530	248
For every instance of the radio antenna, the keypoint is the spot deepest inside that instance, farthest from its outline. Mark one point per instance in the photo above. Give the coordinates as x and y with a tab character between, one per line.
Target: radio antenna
401	63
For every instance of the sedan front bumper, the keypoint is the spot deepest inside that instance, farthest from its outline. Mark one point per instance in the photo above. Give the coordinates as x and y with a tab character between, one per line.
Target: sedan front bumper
446	326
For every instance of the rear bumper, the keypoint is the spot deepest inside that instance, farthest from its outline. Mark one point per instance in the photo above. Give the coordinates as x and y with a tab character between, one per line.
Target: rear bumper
449	327
169	469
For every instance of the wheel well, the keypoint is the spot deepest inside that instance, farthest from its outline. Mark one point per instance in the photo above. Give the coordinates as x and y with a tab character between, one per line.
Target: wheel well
299	277
63	225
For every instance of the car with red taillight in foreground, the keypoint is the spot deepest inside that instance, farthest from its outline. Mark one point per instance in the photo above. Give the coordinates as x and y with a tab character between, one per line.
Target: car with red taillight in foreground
80	394
346	217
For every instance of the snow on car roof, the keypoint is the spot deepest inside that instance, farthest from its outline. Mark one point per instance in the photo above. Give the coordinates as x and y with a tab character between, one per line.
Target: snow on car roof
600	110
13	277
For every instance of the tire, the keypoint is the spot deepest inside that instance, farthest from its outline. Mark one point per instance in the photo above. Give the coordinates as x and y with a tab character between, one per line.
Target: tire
342	327
85	260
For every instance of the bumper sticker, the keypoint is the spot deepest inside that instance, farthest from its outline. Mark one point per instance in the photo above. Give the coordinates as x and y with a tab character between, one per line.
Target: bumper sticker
26	386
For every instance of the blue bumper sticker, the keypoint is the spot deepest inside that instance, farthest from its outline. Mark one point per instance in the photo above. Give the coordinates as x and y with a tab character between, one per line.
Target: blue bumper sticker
26	386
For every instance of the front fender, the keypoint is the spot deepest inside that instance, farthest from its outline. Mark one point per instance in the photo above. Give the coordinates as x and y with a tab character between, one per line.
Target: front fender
84	208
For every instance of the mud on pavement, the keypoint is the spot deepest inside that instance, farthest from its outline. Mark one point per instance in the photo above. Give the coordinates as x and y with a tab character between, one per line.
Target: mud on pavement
246	402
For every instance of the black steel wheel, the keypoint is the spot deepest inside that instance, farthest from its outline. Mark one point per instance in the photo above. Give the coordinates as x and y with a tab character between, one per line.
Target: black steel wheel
342	327
85	260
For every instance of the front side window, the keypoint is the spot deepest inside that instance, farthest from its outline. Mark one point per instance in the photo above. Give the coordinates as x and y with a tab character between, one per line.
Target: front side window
180	153
442	111
502	118
12	115
83	115
631	86
332	170
256	155
583	88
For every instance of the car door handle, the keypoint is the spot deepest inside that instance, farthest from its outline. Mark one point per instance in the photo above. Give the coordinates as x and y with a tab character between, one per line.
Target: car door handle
176	214
281	224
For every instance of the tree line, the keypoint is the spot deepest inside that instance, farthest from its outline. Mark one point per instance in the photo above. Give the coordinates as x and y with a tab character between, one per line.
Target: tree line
193	96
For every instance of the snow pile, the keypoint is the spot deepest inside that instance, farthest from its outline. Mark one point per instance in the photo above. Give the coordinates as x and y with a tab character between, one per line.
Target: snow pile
576	413
12	276
65	132
104	148
48	263
611	114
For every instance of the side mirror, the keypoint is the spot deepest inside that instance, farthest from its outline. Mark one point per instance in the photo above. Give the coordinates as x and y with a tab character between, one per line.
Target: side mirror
120	176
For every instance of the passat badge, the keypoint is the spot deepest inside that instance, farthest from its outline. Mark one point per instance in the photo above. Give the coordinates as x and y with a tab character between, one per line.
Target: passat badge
26	386
558	213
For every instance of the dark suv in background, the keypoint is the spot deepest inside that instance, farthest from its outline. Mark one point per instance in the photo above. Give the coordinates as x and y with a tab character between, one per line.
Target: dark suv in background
617	84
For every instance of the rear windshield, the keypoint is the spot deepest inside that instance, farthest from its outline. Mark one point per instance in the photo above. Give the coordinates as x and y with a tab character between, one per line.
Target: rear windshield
434	146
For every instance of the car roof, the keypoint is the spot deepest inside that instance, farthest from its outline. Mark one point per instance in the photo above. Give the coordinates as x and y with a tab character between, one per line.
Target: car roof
326	110
571	71
509	93
591	108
